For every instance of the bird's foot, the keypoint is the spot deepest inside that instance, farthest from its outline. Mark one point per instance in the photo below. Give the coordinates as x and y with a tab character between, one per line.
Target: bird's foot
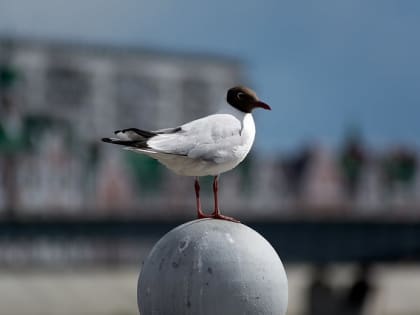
202	215
216	215
223	217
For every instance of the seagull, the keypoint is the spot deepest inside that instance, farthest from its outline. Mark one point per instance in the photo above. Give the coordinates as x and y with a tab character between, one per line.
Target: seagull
207	146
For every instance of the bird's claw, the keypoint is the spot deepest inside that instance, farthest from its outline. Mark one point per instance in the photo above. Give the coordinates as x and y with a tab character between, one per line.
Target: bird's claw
224	217
204	216
217	216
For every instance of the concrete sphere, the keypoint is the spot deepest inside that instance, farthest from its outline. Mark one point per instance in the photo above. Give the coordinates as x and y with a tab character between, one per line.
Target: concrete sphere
209	267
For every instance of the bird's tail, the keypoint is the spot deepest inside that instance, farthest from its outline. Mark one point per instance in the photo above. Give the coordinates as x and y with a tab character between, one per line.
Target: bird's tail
131	137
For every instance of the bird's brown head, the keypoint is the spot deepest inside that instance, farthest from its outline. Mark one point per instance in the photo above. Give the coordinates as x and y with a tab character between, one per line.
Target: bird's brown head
244	99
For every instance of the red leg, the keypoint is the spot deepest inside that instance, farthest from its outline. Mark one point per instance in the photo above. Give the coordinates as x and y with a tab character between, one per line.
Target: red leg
216	213
216	199
200	213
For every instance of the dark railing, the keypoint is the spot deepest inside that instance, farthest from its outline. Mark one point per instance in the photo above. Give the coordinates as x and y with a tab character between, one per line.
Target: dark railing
296	240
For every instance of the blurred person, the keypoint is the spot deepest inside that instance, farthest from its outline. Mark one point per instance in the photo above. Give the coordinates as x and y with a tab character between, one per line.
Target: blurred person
401	166
359	292
322	187
399	169
10	135
370	191
321	298
352	160
294	168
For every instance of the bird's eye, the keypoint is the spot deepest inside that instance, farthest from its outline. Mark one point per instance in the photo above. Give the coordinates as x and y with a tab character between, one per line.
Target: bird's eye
240	95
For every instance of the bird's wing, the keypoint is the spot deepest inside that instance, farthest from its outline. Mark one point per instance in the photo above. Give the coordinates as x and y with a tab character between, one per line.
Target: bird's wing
210	138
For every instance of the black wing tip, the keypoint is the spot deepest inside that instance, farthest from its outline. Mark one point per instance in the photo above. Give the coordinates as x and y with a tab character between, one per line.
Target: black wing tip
143	133
107	140
127	143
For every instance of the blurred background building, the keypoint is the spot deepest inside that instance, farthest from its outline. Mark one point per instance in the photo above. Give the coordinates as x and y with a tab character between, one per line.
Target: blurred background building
333	181
59	99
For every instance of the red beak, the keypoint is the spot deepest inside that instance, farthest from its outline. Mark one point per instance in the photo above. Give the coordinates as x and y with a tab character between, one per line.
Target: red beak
262	105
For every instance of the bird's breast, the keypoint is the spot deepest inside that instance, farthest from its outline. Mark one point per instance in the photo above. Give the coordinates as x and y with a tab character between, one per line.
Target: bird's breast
248	131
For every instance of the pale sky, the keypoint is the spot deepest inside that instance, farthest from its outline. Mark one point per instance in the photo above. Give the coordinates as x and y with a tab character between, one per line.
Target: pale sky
323	66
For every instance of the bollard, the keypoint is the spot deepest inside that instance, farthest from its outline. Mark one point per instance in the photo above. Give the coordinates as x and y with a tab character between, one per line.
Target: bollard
212	267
